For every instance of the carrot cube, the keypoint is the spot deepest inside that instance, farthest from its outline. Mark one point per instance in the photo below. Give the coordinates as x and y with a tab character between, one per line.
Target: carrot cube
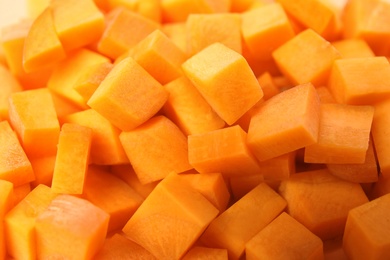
264	29
268	85
6	197
381	187
72	159
204	253
343	134
177	32
112	195
367	232
81	226
325	95
114	42
128	96
234	227
224	150
353	48
203	30
19	223
321	201
20	192
285	123
294	241
156	149
278	168
159	56
106	148
9	85
34	119
307	47
225	80
170	220
43	168
14	164
78	23
349	84
241	185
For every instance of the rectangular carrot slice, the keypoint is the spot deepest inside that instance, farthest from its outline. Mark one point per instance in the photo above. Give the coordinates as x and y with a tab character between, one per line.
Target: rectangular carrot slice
72	159
234	227
230	87
343	134
15	167
81	225
285	123
19	223
170	220
9	85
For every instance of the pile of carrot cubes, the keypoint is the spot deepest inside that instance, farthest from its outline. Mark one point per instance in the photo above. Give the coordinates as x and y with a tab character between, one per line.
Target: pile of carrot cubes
209	129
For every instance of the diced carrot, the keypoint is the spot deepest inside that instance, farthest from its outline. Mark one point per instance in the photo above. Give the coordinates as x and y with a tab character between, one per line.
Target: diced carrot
188	109
33	117
246	118
9	85
106	148
268	85
223	150
19	223
63	106
367	232
126	173
42	47
204	253
69	70
112	195
241	185
353	48
121	109
238	6
169	152
81	226
343	135
20	192
278	168
170	220
264	29
349	83
119	247
159	56
285	123
43	168
177	32
325	95
203	30
293	241
114	42
147	8
77	22
307	47
381	187
72	159
333	249
91	79
6	198
366	172
321	201
225	80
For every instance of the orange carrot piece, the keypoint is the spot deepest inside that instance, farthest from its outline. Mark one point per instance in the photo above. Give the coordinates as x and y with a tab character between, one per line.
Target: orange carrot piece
69	70
20	192
204	253
177	32
325	95
224	150
188	109
43	168
278	168
34	119
106	148
6	197
306	47
353	48
114	42
112	195
234	227
293	241
268	85
91	79
19	223
223	85
321	201
42	47
203	30
285	123
9	85
126	173
366	172
333	249
349	84
238	6
367	232
120	247
78	23
241	185
159	56
156	149
14	164
128	111
381	187
170	220
81	226
72	159
264	29
63	106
